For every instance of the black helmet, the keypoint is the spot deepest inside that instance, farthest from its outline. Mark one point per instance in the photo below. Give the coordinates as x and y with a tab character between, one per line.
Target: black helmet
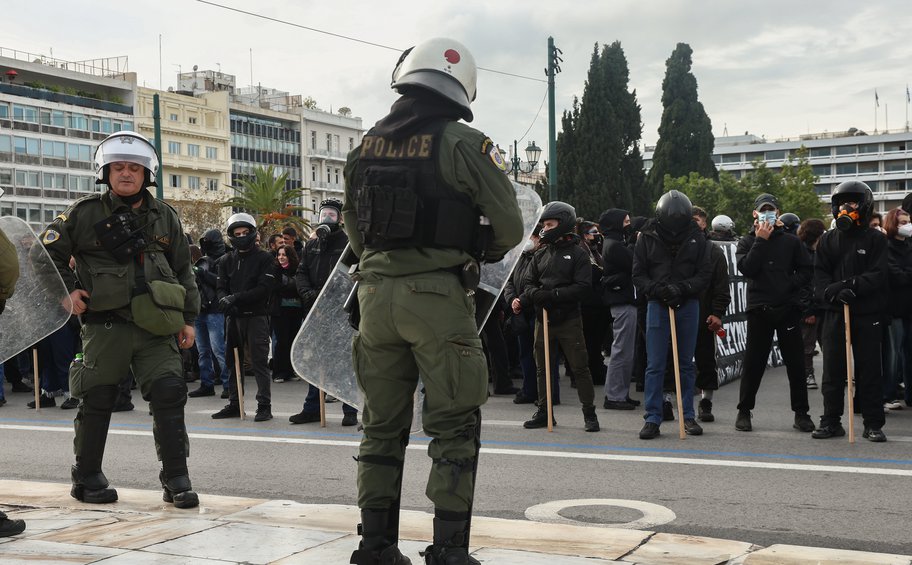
564	213
853	191
790	221
212	243
674	212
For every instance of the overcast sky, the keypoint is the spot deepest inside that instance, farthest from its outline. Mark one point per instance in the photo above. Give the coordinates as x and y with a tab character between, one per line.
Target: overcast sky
773	68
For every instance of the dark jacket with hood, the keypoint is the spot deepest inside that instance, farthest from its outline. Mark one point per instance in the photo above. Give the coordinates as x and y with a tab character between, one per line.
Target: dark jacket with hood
778	269
317	262
617	256
564	268
899	263
857	260
206	269
716	299
249	276
660	258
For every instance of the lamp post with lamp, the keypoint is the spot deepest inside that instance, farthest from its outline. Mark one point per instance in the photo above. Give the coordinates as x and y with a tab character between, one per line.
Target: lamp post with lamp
533	152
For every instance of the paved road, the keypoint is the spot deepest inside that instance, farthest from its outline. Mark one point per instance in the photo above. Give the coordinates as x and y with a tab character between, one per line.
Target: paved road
773	485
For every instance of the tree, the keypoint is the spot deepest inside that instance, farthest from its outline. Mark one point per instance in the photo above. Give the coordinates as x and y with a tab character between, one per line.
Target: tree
198	216
726	196
309	102
685	133
344	111
263	195
798	194
566	154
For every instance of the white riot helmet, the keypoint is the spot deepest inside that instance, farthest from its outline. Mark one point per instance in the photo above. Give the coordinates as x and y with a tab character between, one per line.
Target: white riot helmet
443	66
238	220
126	146
723	223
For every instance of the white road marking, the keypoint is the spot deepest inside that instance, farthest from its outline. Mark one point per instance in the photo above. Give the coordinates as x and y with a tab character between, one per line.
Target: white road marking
521	452
653	514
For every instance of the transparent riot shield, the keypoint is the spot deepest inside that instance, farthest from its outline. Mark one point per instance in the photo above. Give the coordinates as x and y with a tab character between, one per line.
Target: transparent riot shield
41	304
321	352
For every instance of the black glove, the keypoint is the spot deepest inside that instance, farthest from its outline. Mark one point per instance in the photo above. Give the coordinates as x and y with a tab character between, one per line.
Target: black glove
670	294
2	306
226	303
846	296
542	297
833	289
309	297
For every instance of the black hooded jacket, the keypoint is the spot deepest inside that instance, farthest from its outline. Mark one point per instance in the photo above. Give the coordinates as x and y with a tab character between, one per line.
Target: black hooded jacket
564	267
778	269
659	259
206	270
856	259
617	256
317	261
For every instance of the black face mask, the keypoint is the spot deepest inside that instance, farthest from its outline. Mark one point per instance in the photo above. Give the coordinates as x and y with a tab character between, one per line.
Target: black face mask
244	242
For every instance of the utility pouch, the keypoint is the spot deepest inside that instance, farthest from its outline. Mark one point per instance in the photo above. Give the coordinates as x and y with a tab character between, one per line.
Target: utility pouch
120	236
160	310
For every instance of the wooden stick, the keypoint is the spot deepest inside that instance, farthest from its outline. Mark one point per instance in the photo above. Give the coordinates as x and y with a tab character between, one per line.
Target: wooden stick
677	365
850	371
322	409
548	370
238	373
37	379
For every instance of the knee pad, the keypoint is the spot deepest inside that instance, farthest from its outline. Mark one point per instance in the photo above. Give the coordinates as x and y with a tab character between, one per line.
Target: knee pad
100	398
169	392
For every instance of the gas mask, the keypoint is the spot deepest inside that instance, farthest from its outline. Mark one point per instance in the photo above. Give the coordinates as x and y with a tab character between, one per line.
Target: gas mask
847	218
329	217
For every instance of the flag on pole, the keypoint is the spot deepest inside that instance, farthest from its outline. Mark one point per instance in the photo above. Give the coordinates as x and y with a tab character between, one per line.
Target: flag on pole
876	99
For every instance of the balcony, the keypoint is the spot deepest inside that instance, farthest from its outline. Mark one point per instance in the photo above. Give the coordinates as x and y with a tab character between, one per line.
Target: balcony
62	98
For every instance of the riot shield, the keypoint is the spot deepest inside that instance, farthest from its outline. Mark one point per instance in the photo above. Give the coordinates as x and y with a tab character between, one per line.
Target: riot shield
321	352
41	304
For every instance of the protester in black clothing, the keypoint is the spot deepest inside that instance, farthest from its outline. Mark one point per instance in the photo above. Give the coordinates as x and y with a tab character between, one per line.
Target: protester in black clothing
245	281
319	257
809	234
210	324
851	269
723	229
898	358
286	312
790	223
559	277
778	268
290	237
713	305
595	314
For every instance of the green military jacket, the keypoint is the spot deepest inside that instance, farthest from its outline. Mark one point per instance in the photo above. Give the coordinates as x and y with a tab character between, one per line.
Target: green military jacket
111	284
9	267
467	163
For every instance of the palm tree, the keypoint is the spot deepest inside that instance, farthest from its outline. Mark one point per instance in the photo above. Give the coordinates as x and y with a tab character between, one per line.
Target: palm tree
264	196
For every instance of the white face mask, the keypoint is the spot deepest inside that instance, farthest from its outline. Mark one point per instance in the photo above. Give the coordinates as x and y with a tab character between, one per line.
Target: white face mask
529	245
905	230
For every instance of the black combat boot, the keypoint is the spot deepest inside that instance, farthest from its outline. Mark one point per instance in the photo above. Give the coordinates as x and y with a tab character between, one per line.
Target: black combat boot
590	419
178	491
378	541
91	487
450	544
10	527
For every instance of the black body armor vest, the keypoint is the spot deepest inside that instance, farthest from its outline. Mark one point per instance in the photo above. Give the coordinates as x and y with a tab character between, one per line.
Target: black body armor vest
401	200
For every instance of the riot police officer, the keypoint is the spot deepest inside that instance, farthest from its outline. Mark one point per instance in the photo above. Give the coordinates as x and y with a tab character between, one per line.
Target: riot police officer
137	295
416	190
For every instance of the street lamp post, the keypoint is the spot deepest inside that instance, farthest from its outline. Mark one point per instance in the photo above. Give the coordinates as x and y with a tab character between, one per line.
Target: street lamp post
533	152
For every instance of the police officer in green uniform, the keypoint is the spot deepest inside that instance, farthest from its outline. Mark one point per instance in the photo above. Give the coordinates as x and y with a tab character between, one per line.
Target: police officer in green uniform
138	301
416	191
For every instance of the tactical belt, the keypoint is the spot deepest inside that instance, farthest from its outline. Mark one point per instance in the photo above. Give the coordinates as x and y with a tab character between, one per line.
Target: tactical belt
103	318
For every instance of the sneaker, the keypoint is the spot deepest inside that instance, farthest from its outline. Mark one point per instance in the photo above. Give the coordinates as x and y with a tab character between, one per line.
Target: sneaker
618	405
811	382
229	411
650	431
202	391
69	403
826	432
632	401
705	413
304	417
43	402
668	414
888	405
804	423
349	419
521	398
263	413
590	420
539	419
875	435
278	379
743	423
692	428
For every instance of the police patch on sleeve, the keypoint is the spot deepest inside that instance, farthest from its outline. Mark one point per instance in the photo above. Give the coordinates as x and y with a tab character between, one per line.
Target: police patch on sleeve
50	236
497	158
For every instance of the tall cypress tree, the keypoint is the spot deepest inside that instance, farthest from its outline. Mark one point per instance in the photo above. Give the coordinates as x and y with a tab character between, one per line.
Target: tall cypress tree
567	154
685	134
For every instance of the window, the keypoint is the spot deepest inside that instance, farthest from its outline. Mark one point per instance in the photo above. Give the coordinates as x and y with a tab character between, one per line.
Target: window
6	144
822	170
4	110
894	185
329	142
775	155
313	140
335	145
25	113
193	183
894	146
55	180
81	184
27	178
55	149
847	169
192	119
193	150
26	145
79	121
733	158
869	168
351	143
894	166
869	148
175	181
6	177
106	125
78	152
212	184
173	117
95	124
820	152
128	126
117	125
717	159
337	176
847	150
174	147
211	152
328	174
